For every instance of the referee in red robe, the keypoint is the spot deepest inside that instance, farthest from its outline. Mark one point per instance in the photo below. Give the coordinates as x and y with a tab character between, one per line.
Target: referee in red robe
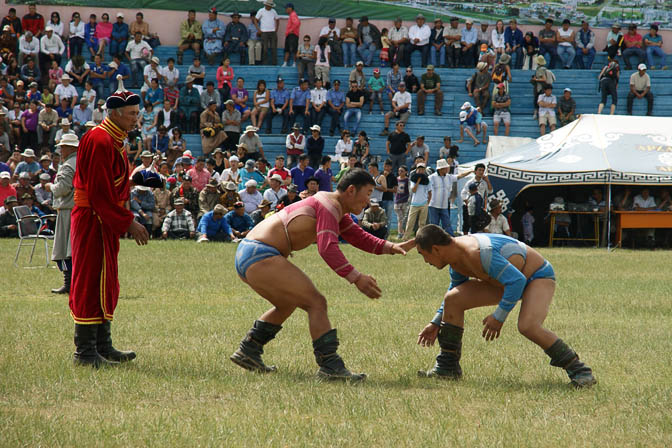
99	218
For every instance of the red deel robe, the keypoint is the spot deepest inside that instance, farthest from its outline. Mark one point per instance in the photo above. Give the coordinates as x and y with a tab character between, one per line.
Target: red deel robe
99	218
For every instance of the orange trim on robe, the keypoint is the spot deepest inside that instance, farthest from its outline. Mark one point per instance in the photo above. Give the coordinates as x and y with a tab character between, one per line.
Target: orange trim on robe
98	220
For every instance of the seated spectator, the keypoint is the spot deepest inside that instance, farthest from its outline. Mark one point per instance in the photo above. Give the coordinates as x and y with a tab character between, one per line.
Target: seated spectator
213	32
354	101
77	38
90	38
315	146
188	194
251	143
430	84
191	35
64	129
235	38
318	103
547	104
275	193
6	189
530	50
376	86
30	72
179	224
261	104
77	70
301	172
252	173
213	226
368	36
29	124
292	196
418	37
239	221
45	168
498	222
280	170
208	198
80	116
479	86
152	72
8	225
299	104
294	144
644	201
240	95
138	52
343	147
66	91
468	40
654	47
565	50
305	60
392	80
212	130
633	46
232	173
13	22
230	195
89	95
159	142
411	81
335	103
361	148
312	187
142	205
437	51
375	220
585	46
608	80
279	106
51	49
210	94
322	60
120	35
47	125
502	106
250	196
640	87
166	116
401	108
566	107
29	47
263	209
199	175
104	33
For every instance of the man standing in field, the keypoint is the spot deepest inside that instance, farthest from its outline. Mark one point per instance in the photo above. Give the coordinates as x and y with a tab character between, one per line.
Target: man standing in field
261	262
99	218
485	270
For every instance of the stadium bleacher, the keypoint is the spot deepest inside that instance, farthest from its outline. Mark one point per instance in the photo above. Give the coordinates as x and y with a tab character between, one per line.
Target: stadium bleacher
583	83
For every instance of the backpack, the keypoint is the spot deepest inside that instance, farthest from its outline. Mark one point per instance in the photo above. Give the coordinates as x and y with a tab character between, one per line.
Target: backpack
498	74
611	71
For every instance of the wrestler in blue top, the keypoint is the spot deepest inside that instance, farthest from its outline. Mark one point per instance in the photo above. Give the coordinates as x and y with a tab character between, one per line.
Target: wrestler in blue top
485	270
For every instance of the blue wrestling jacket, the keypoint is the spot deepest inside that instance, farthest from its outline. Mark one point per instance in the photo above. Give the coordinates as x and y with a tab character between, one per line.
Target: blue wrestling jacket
495	253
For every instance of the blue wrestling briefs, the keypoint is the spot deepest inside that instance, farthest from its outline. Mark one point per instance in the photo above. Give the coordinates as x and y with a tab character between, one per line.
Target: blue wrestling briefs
545	271
251	251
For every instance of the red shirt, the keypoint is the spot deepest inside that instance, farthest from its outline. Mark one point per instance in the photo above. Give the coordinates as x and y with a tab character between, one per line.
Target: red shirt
34	24
293	24
5	192
629	38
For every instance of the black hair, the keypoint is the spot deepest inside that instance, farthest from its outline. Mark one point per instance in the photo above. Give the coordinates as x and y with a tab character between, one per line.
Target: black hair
211	161
325	159
388	162
357	177
432	235
303	157
200	159
171	59
453	151
57	15
549	21
209	83
139	14
192	10
479	165
373	164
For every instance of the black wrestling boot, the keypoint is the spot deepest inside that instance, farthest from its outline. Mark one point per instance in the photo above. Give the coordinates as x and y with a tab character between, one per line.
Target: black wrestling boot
448	361
105	348
85	343
564	357
65	289
331	364
248	355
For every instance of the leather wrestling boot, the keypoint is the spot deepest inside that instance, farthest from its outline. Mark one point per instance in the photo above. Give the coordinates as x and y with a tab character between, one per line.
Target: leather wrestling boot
85	343
448	361
331	365
564	357
248	355
65	289
105	348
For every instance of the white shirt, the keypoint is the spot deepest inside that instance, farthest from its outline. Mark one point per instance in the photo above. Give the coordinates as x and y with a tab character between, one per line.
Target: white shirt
299	142
550	111
58	28
422	33
150	73
251	201
171	75
402	98
274	196
639	201
65	92
53	45
498	225
441	187
26	47
90	96
318	96
342	147
483	189
267	20
135	49
497	39
230	175
326	30
77	30
70	65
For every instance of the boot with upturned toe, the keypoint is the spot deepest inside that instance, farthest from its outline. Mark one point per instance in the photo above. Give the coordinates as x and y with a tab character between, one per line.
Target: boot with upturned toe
248	355
105	348
332	367
448	361
564	357
85	351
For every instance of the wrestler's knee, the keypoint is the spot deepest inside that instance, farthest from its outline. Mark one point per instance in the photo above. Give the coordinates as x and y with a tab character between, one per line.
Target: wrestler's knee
315	303
528	327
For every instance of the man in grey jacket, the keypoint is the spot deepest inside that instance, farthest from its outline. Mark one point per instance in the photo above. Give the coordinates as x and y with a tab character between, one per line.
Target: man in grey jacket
63	193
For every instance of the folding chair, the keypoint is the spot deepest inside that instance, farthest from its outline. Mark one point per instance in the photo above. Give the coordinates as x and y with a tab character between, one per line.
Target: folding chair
32	228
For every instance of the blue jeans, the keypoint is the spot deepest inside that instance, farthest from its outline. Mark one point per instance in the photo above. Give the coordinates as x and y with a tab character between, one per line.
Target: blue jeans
117	47
585	61
442	216
357	112
628	53
550	53
442	55
349	53
137	67
566	55
655	51
517	58
366	52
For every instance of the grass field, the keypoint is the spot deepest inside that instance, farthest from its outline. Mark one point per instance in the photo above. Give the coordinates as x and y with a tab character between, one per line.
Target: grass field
184	311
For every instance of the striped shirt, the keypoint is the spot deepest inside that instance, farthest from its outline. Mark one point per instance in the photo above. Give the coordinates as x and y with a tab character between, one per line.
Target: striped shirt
175	222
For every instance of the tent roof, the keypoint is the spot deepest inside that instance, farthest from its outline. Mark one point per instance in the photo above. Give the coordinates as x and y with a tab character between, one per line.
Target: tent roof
594	149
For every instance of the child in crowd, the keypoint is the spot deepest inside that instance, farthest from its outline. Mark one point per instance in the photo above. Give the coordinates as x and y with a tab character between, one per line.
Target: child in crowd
487	55
376	87
478	217
385	51
55	74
